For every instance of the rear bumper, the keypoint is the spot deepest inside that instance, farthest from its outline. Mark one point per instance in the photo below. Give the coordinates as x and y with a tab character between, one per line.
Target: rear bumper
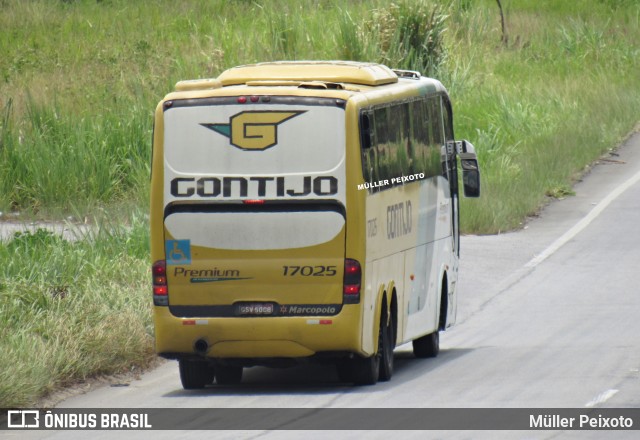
258	337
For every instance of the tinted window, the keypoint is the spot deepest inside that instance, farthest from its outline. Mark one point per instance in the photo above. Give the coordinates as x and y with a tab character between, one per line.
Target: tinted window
402	140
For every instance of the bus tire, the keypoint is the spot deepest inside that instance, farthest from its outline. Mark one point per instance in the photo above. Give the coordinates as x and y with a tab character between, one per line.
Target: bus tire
195	374
386	345
366	370
427	346
228	374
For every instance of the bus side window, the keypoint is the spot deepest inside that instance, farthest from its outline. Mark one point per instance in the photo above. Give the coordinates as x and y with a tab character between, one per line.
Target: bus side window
419	137
368	145
391	128
425	120
365	130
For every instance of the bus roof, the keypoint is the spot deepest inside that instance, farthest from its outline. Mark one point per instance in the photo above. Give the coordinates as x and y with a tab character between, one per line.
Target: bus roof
352	72
370	74
348	76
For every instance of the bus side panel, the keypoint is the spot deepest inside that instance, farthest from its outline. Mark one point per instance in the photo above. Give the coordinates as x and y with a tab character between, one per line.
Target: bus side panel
409	245
391	216
425	320
429	262
452	308
380	275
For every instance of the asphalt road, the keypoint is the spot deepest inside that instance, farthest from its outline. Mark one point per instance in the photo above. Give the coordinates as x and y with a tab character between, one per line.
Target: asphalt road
549	317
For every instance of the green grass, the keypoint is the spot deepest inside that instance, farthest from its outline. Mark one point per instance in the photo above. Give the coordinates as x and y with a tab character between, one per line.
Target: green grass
67	161
564	91
72	309
79	81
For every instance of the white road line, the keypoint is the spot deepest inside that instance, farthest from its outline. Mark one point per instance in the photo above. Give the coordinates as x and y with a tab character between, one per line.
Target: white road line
586	220
601	398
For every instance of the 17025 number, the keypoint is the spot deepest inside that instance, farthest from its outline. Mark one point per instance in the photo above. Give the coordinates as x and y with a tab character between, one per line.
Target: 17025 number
309	271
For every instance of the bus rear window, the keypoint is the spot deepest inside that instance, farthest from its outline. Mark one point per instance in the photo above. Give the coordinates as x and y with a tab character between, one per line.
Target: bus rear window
253	139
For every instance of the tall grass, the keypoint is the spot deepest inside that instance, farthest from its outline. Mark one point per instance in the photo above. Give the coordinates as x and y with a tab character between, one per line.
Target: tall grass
68	160
411	36
72	309
564	91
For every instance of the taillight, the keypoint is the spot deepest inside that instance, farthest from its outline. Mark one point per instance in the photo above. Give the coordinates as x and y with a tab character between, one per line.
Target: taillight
160	289
252	98
351	283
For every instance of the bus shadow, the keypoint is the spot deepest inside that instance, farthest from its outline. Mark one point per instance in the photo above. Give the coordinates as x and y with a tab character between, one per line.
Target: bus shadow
319	379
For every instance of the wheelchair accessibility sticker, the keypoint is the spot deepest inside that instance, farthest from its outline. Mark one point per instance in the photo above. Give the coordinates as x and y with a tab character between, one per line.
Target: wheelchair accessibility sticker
178	252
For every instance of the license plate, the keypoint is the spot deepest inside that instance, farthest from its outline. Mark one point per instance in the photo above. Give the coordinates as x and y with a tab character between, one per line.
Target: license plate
254	309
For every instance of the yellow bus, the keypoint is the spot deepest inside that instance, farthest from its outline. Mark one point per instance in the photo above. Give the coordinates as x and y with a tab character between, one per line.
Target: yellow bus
304	211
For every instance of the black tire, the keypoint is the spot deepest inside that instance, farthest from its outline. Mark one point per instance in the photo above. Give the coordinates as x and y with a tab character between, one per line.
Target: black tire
386	344
195	374
228	374
427	346
366	371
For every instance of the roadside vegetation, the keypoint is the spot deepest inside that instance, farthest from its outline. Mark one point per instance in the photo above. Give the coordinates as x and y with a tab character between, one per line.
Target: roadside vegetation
540	99
72	309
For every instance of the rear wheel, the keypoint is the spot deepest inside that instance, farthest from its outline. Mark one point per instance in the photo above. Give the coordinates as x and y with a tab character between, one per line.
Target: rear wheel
359	370
195	374
427	346
366	371
228	374
386	344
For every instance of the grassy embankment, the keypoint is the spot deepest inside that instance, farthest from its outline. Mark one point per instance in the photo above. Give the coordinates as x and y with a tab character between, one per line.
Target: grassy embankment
79	81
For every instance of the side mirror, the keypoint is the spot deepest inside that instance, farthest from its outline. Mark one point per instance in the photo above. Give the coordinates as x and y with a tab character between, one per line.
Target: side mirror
471	178
470	168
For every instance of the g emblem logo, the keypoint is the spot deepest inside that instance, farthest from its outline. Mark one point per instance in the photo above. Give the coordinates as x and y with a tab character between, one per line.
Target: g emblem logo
253	130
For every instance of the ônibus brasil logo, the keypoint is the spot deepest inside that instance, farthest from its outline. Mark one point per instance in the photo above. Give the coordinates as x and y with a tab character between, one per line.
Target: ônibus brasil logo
253	130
